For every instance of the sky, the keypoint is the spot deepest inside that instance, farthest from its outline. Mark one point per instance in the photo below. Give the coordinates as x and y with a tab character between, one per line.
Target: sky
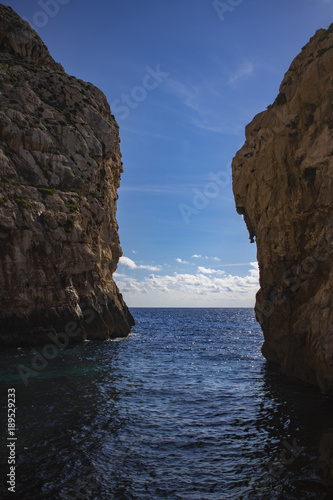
183	79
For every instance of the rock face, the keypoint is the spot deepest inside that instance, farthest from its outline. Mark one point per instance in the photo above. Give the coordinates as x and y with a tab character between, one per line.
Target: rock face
283	186
60	166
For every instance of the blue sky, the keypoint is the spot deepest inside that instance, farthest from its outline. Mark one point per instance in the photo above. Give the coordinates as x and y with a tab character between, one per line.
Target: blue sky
183	78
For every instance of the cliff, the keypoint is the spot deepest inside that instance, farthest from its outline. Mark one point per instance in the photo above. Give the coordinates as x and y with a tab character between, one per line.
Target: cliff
60	167
283	186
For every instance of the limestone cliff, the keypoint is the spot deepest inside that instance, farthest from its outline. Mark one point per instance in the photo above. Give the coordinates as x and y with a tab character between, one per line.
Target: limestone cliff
60	167
283	186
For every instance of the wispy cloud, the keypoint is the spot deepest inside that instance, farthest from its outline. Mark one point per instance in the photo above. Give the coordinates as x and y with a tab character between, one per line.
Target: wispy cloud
245	70
200	98
180	261
119	275
188	94
196	256
145	133
210	127
130	264
156	188
238	264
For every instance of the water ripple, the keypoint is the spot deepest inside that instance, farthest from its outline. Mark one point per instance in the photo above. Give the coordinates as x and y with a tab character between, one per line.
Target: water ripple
184	408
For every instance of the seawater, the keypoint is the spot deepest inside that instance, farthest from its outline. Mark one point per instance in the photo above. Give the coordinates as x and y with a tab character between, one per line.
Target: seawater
184	408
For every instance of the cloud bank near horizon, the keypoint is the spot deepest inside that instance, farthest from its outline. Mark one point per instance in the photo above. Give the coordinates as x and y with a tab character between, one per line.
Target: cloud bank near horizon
202	287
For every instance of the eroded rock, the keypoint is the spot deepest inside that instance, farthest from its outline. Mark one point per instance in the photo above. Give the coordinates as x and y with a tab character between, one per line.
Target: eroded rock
60	167
283	186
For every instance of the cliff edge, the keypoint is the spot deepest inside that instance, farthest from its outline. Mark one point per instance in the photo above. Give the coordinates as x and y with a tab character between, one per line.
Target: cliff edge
283	186
60	167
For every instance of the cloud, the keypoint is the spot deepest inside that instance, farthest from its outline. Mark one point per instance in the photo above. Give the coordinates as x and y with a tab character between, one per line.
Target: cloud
245	70
216	259
200	97
130	264
205	270
205	288
217	128
119	275
188	93
125	261
140	131
156	188
180	261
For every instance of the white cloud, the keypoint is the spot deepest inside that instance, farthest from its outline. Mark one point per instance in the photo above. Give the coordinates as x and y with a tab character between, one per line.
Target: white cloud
206	288
127	262
180	261
205	270
195	256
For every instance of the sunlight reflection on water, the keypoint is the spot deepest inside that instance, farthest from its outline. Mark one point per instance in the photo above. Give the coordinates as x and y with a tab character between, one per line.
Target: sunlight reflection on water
184	408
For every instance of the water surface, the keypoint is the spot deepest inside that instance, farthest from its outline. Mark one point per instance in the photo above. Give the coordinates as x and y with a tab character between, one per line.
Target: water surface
184	408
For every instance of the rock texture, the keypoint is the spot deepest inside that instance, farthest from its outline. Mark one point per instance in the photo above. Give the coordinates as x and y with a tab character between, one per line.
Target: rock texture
60	166
283	186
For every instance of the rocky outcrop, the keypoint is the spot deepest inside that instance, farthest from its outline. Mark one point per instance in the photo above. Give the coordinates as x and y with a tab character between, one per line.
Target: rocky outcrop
283	186
60	167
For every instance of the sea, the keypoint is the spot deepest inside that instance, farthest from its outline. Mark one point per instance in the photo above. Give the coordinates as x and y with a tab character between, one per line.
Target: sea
185	407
